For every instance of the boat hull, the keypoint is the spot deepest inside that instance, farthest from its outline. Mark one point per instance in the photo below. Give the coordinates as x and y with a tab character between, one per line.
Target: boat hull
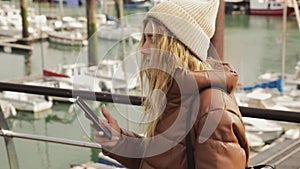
26	102
270	12
67	38
29	106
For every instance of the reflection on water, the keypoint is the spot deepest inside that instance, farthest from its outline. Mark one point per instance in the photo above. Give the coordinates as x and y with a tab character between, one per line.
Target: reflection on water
59	122
62	121
57	46
253	44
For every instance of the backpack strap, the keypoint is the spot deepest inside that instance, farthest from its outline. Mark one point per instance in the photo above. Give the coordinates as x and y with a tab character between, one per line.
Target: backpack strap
189	148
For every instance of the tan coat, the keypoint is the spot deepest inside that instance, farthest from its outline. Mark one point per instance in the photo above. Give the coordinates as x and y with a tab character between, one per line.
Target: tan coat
218	133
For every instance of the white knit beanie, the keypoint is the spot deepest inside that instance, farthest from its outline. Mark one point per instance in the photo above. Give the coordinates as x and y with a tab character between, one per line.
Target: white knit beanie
191	21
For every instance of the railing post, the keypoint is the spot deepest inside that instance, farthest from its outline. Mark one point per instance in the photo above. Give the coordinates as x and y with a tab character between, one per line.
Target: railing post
9	144
218	39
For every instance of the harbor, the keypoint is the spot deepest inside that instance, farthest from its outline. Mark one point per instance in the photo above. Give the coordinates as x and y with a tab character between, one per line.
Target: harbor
252	44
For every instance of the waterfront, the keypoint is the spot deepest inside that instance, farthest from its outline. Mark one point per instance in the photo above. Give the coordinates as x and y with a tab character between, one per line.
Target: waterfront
252	45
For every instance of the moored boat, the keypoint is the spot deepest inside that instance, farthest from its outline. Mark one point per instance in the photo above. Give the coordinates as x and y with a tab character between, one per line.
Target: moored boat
268	7
255	142
111	73
26	102
265	129
54	84
106	76
236	7
102	159
135	4
68	38
113	32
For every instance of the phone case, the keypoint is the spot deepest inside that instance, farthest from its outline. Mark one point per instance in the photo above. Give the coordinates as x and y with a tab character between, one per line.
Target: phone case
98	125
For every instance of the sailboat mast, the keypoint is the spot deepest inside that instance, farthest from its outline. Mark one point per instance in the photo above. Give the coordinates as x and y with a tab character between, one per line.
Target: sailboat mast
295	4
24	15
283	54
120	12
61	9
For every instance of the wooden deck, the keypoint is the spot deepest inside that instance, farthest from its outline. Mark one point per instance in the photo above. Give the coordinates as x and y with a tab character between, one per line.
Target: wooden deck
8	47
285	154
8	39
11	44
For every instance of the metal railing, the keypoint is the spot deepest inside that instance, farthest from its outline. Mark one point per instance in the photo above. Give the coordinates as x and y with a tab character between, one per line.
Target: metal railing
288	116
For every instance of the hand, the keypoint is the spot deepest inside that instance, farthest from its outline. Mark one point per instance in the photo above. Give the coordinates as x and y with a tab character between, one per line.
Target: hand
113	125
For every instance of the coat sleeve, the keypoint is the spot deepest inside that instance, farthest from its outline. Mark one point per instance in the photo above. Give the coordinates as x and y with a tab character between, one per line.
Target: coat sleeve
126	150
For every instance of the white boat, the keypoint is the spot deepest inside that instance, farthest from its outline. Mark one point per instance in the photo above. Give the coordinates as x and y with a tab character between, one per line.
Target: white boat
106	76
7	109
286	97
111	73
287	101
291	81
259	98
11	23
113	32
293	133
255	141
74	76
138	4
26	102
54	84
111	29
268	7
265	129
105	160
68	38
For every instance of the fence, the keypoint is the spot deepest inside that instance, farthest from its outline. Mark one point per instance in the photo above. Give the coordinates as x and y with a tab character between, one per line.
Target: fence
288	116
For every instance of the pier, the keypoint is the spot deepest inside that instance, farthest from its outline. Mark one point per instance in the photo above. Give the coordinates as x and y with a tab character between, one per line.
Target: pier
11	44
8	47
284	153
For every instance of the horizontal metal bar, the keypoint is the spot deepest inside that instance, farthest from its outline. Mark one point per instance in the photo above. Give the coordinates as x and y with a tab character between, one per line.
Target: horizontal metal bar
68	93
288	116
280	115
8	133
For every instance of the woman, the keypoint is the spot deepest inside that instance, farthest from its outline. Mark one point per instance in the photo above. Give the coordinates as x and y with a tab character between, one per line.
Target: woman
186	93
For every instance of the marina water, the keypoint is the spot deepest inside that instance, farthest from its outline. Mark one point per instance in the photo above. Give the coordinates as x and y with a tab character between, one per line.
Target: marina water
252	45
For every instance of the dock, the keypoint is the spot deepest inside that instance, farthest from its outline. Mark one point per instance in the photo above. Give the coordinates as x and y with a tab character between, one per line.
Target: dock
10	44
8	39
8	47
285	153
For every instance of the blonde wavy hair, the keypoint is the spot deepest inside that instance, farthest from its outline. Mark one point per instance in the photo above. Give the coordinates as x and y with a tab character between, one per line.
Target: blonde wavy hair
168	54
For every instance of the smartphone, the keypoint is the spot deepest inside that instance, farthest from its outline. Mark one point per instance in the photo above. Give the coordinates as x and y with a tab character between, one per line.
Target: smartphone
99	126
